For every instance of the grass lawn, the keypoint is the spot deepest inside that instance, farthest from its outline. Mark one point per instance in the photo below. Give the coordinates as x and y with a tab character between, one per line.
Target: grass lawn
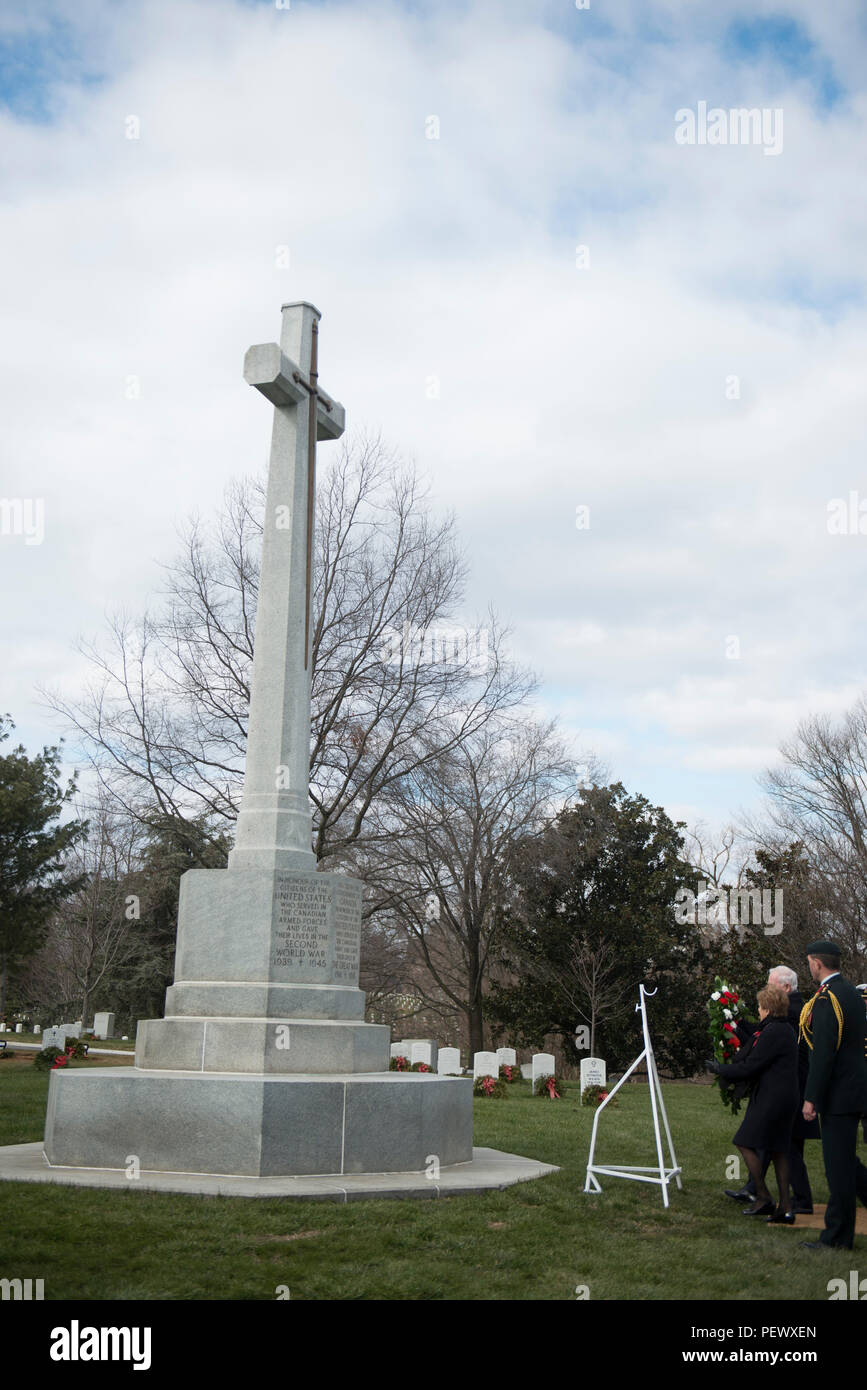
538	1240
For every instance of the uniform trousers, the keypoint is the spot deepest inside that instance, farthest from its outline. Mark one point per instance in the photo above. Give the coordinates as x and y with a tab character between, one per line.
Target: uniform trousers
846	1175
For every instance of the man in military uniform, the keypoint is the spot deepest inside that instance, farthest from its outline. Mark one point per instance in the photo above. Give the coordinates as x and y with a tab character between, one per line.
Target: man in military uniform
834	1026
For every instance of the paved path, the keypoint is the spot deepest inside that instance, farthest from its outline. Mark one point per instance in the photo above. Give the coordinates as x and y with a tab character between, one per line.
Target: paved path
489	1170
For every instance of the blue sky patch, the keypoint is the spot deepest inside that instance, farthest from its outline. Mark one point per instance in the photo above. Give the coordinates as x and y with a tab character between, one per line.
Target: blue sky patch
782	41
33	65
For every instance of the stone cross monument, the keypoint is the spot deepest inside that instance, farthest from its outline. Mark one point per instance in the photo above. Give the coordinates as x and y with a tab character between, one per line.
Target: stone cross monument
273	830
263	1063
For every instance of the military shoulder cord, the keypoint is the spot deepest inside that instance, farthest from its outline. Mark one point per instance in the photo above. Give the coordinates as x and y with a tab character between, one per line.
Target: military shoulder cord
804	1029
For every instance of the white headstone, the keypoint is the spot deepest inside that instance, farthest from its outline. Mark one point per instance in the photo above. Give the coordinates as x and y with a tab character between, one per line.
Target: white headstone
423	1050
19	1028
485	1064
449	1061
103	1025
427	1050
400	1049
543	1065
507	1056
37	1030
527	1071
77	1028
592	1072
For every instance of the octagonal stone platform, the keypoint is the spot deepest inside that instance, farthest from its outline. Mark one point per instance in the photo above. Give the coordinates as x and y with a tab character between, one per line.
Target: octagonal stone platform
255	1125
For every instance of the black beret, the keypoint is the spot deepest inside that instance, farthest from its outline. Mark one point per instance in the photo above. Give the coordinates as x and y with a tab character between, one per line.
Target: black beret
823	948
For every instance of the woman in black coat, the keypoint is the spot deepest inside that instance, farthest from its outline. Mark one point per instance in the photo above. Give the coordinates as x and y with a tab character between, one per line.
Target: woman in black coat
770	1063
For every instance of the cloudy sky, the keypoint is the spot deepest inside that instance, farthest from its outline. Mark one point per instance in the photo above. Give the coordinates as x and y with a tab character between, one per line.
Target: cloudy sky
491	195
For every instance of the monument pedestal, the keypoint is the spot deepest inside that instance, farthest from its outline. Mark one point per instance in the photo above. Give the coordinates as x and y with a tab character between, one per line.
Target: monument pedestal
263	1066
254	1125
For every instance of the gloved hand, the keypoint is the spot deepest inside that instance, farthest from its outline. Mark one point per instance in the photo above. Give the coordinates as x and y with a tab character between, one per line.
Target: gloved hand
712	1066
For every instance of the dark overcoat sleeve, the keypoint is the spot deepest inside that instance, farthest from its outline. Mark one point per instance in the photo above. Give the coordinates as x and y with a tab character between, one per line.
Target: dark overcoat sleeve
745	1032
760	1057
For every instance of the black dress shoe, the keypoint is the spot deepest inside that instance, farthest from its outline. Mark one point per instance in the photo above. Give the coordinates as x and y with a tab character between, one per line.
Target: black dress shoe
759	1209
743	1196
782	1218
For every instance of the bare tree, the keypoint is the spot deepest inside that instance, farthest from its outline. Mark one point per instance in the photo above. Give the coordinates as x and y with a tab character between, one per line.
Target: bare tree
818	800
164	720
586	981
92	934
720	860
439	862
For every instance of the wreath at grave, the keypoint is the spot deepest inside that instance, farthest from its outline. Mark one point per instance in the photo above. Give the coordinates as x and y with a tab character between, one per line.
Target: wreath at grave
421	1066
490	1087
510	1074
594	1095
399	1064
550	1087
44	1060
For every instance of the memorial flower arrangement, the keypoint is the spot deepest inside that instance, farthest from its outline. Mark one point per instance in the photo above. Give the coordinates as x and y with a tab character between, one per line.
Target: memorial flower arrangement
61	1060
725	1012
491	1087
44	1060
421	1066
551	1087
594	1096
510	1074
75	1047
399	1064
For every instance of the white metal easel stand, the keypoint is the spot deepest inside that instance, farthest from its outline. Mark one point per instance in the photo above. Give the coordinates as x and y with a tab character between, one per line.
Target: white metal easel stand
638	1173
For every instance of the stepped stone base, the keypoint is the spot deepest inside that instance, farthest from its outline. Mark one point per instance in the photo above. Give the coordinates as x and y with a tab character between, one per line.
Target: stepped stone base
291	1045
257	1125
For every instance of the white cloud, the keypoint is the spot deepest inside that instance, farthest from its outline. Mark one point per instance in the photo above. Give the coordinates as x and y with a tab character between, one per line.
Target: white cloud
154	259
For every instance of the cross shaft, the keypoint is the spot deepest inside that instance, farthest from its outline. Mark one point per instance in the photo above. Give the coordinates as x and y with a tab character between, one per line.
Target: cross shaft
273	829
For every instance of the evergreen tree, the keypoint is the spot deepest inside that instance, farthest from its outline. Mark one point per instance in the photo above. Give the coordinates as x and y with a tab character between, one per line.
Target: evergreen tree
33	871
592	916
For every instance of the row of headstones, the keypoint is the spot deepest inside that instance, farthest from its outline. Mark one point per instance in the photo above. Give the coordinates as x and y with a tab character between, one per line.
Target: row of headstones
542	1064
446	1061
103	1027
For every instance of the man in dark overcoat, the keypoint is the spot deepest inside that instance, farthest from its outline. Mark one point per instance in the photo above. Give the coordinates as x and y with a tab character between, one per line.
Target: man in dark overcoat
835	1027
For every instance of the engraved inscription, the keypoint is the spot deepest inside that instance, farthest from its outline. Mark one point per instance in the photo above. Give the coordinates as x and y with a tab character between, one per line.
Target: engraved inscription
347	934
301	935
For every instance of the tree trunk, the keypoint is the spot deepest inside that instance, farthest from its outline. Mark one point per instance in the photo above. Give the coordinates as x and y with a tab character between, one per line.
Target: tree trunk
476	1027
4	975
